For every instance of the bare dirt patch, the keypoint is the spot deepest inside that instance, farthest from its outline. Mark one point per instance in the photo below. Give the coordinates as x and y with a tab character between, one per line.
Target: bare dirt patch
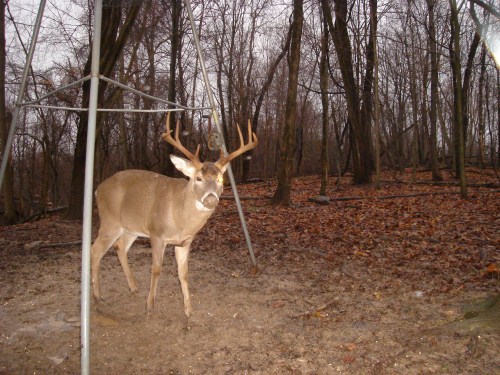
370	286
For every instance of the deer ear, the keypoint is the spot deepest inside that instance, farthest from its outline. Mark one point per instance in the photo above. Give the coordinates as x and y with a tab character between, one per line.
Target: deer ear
183	165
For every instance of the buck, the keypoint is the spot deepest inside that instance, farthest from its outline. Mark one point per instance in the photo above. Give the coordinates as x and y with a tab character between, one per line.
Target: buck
170	211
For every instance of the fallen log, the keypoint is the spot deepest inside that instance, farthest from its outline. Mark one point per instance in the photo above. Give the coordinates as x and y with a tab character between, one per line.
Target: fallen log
314	199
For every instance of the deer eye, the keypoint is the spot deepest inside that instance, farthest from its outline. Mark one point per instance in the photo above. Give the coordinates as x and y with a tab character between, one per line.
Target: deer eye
199	179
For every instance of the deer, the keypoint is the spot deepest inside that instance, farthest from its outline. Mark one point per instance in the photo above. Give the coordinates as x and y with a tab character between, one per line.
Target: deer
169	211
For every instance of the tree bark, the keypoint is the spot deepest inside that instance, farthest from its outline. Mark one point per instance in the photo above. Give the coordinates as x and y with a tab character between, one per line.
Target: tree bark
323	79
361	144
172	92
365	143
10	215
480	103
376	112
433	160
282	195
467	81
458	116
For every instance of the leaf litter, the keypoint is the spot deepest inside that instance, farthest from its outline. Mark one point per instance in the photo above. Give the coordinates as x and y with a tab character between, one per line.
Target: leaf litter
373	285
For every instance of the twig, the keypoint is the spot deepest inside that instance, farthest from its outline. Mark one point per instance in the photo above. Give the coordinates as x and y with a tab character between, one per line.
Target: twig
442	183
399	196
38	214
307	250
308	314
248	198
59	244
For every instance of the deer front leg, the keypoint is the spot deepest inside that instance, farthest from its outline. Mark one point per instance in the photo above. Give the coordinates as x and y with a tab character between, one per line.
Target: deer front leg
181	256
158	250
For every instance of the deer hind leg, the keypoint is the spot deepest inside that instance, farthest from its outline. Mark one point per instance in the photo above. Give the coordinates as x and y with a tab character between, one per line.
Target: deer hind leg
122	246
181	256
101	245
158	250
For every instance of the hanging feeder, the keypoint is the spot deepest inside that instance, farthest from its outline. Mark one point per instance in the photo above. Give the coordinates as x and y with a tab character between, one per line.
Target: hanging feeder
214	141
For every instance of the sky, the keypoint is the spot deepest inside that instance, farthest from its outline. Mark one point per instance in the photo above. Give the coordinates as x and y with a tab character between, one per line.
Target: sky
52	43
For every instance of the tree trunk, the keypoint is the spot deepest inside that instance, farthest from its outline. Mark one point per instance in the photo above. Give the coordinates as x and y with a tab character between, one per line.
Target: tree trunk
361	143
285	174
10	215
172	92
323	79
121	119
498	119
466	83
433	160
364	142
336	145
480	103
111	47
414	105
458	117
376	113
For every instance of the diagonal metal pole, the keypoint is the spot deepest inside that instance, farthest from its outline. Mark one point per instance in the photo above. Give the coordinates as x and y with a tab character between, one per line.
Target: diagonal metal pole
22	89
217	123
88	188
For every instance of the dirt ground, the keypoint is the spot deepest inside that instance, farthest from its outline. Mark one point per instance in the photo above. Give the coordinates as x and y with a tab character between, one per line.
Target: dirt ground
364	286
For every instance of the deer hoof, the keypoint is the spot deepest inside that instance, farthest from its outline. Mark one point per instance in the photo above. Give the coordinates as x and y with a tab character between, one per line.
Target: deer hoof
99	300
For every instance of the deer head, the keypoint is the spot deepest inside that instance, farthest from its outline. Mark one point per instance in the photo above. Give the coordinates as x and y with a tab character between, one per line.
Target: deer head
207	178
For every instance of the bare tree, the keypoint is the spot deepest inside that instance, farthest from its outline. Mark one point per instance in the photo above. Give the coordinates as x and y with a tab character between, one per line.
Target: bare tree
358	110
458	116
433	162
175	42
262	94
285	173
10	215
323	78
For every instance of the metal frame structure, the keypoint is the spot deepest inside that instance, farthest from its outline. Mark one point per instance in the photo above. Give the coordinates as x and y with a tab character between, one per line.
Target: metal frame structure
94	78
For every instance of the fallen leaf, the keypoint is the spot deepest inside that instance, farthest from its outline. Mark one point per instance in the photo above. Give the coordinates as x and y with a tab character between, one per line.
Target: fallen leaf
351	346
348	359
279	303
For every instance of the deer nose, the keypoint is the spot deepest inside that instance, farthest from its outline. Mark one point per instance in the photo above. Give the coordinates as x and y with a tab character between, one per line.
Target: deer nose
210	201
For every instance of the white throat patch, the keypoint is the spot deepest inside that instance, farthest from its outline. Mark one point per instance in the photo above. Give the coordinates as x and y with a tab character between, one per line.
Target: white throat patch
201	207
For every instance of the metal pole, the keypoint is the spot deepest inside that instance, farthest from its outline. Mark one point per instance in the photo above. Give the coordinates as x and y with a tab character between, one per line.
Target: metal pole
216	120
88	189
22	89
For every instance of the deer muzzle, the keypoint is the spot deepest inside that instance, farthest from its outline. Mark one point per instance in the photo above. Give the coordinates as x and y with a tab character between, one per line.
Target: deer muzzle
210	200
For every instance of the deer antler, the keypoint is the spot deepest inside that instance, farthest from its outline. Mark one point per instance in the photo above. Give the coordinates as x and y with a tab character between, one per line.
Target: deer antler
252	143
178	145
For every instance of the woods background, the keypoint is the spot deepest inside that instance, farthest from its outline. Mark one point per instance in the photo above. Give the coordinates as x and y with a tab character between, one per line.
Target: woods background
331	87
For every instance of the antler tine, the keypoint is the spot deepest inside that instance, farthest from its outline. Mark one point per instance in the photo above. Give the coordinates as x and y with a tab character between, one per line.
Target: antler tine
252	143
177	143
250	133
242	142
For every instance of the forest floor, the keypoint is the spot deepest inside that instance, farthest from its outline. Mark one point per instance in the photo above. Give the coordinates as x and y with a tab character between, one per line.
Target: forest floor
375	285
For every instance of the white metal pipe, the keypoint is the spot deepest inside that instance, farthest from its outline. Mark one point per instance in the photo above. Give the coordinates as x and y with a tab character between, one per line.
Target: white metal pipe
79	109
76	83
88	190
140	93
